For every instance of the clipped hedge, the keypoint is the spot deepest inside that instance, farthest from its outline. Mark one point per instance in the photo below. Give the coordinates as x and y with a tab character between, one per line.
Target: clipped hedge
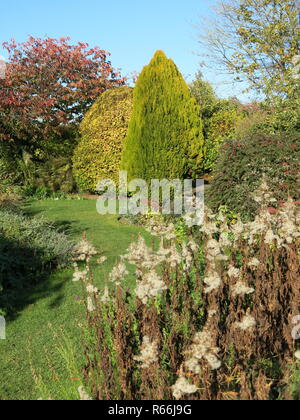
243	164
98	154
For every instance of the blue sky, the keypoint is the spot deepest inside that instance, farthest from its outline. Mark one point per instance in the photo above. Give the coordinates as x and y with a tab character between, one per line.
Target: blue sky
130	30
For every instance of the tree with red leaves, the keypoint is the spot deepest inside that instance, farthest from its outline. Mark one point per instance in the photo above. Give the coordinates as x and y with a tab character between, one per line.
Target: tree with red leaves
48	86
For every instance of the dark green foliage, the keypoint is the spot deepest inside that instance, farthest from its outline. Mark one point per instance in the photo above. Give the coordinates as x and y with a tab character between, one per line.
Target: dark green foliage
242	166
165	136
52	172
56	175
10	174
28	250
219	116
205	96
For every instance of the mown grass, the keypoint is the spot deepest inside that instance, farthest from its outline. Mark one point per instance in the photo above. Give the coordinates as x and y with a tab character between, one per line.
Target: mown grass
53	307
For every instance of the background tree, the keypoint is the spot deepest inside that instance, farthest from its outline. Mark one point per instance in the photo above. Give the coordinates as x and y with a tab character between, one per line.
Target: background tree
205	96
220	118
48	87
256	41
165	137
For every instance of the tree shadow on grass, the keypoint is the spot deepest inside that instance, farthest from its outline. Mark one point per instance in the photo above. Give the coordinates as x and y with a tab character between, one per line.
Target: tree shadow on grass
25	277
69	227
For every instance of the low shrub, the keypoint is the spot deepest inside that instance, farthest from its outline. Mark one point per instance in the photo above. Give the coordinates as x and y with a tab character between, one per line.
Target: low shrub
28	249
243	164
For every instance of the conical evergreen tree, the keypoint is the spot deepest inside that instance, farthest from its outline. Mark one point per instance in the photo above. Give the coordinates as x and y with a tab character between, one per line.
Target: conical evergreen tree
165	135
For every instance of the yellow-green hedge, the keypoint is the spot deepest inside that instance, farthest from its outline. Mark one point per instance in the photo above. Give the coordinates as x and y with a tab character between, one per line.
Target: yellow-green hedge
104	127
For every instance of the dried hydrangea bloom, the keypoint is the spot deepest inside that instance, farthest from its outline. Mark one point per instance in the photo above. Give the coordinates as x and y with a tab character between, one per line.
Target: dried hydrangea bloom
90	305
247	323
234	272
183	387
241	289
83	395
149	353
150	286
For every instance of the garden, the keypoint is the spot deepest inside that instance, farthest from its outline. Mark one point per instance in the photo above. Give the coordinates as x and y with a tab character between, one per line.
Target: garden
148	303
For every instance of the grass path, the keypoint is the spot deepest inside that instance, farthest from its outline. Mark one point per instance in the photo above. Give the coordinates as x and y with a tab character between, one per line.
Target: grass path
30	348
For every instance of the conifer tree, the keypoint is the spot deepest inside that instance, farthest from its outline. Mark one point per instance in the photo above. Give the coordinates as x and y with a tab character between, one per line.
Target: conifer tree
165	135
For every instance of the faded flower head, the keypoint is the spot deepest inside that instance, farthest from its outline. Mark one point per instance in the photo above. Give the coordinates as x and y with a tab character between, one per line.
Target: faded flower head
91	290
213	281
254	263
149	353
234	272
159	228
247	323
150	286
90	305
105	297
83	251
203	347
80	275
118	273
183	387
241	289
101	260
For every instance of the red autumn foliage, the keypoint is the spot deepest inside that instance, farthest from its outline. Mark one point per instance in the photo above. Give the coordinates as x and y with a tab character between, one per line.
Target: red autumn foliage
50	84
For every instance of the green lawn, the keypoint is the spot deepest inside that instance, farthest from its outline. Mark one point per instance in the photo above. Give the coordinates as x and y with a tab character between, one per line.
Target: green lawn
32	346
